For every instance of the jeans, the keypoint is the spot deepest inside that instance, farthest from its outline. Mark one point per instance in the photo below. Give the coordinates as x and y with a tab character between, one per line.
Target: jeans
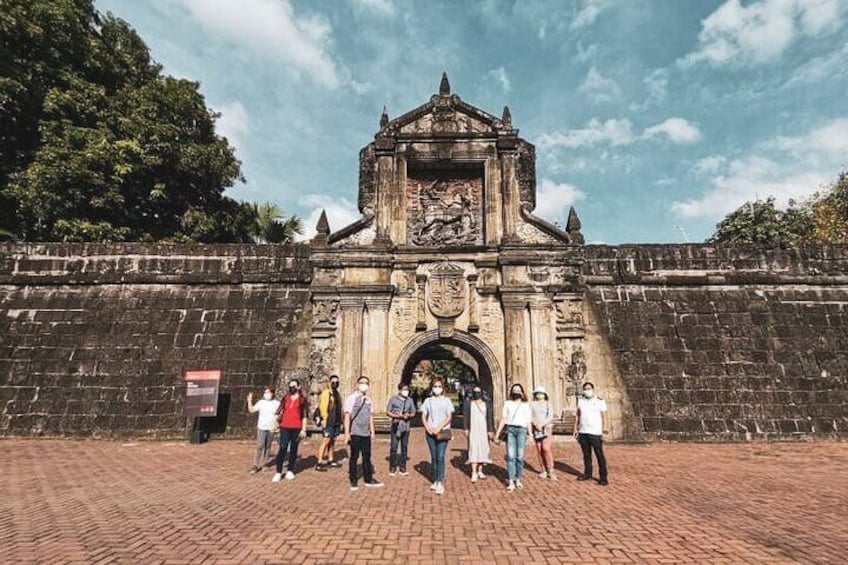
289	439
360	444
516	440
263	447
588	443
438	448
398	460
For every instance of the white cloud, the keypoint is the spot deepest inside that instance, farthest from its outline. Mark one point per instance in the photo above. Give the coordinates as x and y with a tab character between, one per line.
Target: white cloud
585	54
677	130
340	212
553	200
588	13
599	88
613	132
784	168
761	31
709	165
819	69
502	77
233	124
378	7
272	28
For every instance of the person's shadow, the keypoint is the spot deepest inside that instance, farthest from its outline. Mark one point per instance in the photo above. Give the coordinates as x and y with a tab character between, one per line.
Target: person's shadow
565	468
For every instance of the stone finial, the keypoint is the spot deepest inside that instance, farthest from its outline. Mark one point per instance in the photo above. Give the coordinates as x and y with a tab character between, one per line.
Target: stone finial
444	86
507	117
572	227
384	119
323	227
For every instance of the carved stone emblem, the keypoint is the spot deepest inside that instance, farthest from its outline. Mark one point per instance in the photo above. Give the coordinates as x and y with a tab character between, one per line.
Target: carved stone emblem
447	290
445	210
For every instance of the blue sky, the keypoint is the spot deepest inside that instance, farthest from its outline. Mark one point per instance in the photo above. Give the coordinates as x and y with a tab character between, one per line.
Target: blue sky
653	118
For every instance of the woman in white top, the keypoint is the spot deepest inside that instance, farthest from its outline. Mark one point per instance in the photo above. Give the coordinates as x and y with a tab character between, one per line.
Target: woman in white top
266	425
518	420
436	413
543	431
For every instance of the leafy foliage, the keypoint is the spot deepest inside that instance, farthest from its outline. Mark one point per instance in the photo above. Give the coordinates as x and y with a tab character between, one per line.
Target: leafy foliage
96	144
823	218
271	225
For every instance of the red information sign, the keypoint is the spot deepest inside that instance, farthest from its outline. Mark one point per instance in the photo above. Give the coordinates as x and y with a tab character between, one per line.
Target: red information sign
201	397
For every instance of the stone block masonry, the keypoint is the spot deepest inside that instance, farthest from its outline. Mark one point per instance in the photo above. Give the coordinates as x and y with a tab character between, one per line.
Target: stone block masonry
94	339
727	343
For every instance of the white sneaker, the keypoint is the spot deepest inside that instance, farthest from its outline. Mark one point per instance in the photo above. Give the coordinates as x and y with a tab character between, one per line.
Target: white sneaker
481	476
434	486
518	485
276	478
543	475
289	476
510	487
440	488
473	477
551	476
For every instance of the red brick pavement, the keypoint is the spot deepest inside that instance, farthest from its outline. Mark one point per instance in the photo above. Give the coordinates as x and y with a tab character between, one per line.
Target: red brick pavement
104	502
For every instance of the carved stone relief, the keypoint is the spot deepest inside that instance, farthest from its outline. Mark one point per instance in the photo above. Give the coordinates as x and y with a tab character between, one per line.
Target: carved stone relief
445	209
569	317
447	290
322	358
325	314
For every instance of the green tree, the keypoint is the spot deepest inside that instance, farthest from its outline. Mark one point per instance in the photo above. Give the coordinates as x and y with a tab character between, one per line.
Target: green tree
97	144
272	225
761	222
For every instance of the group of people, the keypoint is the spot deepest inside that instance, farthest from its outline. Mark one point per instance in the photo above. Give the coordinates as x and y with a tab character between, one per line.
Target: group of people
522	421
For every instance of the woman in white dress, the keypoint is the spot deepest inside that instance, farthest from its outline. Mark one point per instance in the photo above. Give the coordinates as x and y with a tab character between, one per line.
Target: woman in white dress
479	424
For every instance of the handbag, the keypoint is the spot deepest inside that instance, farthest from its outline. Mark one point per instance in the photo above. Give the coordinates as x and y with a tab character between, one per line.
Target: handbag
444	435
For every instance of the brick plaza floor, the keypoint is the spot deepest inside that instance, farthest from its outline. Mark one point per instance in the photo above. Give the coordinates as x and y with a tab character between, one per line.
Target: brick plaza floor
109	502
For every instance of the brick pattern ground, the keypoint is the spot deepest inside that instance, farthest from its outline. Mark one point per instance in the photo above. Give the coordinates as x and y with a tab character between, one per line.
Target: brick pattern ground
107	502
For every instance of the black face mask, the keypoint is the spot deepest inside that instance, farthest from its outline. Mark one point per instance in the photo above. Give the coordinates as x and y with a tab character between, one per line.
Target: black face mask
292	389
334	385
516	396
476	395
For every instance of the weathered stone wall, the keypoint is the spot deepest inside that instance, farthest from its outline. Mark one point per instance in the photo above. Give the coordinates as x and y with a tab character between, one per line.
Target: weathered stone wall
727	343
94	339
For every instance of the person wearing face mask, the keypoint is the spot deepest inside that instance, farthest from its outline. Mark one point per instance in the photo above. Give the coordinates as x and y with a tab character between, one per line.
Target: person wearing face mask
359	433
436	414
517	419
479	423
543	431
266	425
293	416
330	409
590	427
401	409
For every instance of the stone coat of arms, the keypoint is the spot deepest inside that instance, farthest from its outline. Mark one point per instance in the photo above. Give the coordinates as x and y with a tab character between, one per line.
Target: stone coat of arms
448	292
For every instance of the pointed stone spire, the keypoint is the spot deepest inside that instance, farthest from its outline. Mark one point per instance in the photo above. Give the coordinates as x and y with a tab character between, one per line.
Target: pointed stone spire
507	118
384	119
322	230
572	227
444	86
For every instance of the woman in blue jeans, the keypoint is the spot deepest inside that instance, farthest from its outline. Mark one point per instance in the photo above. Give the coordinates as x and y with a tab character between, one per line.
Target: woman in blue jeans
517	418
436	413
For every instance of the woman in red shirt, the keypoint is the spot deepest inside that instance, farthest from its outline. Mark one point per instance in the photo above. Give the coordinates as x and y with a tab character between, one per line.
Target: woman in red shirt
293	410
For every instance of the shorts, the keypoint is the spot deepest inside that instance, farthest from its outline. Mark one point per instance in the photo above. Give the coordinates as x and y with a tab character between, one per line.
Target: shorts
331	432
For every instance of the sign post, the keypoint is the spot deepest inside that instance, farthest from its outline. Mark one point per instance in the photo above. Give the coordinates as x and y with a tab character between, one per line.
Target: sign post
201	399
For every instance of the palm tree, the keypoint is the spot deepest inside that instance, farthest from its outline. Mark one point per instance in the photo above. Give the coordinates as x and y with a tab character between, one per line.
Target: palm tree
271	225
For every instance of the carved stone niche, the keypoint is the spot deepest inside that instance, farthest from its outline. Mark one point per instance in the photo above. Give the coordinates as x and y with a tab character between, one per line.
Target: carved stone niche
325	315
569	315
445	206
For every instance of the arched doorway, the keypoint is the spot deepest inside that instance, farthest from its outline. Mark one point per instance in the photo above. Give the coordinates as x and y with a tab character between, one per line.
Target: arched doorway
471	358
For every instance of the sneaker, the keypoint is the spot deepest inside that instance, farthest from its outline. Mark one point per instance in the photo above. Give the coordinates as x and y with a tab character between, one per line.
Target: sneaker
440	488
518	485
321	467
543	475
552	477
481	476
392	472
334	464
255	469
404	473
354	486
583	477
374	483
473	477
510	487
276	478
603	482
434	486
289	476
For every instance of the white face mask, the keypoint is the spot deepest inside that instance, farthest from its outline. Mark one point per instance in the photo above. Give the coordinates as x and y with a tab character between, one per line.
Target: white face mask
363	387
404	393
437	390
267	396
589	393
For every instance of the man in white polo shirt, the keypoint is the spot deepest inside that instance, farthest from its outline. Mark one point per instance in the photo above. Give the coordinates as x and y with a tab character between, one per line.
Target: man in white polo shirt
590	426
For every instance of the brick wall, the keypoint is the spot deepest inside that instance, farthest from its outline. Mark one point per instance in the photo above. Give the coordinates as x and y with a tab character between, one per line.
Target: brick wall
94	338
727	343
